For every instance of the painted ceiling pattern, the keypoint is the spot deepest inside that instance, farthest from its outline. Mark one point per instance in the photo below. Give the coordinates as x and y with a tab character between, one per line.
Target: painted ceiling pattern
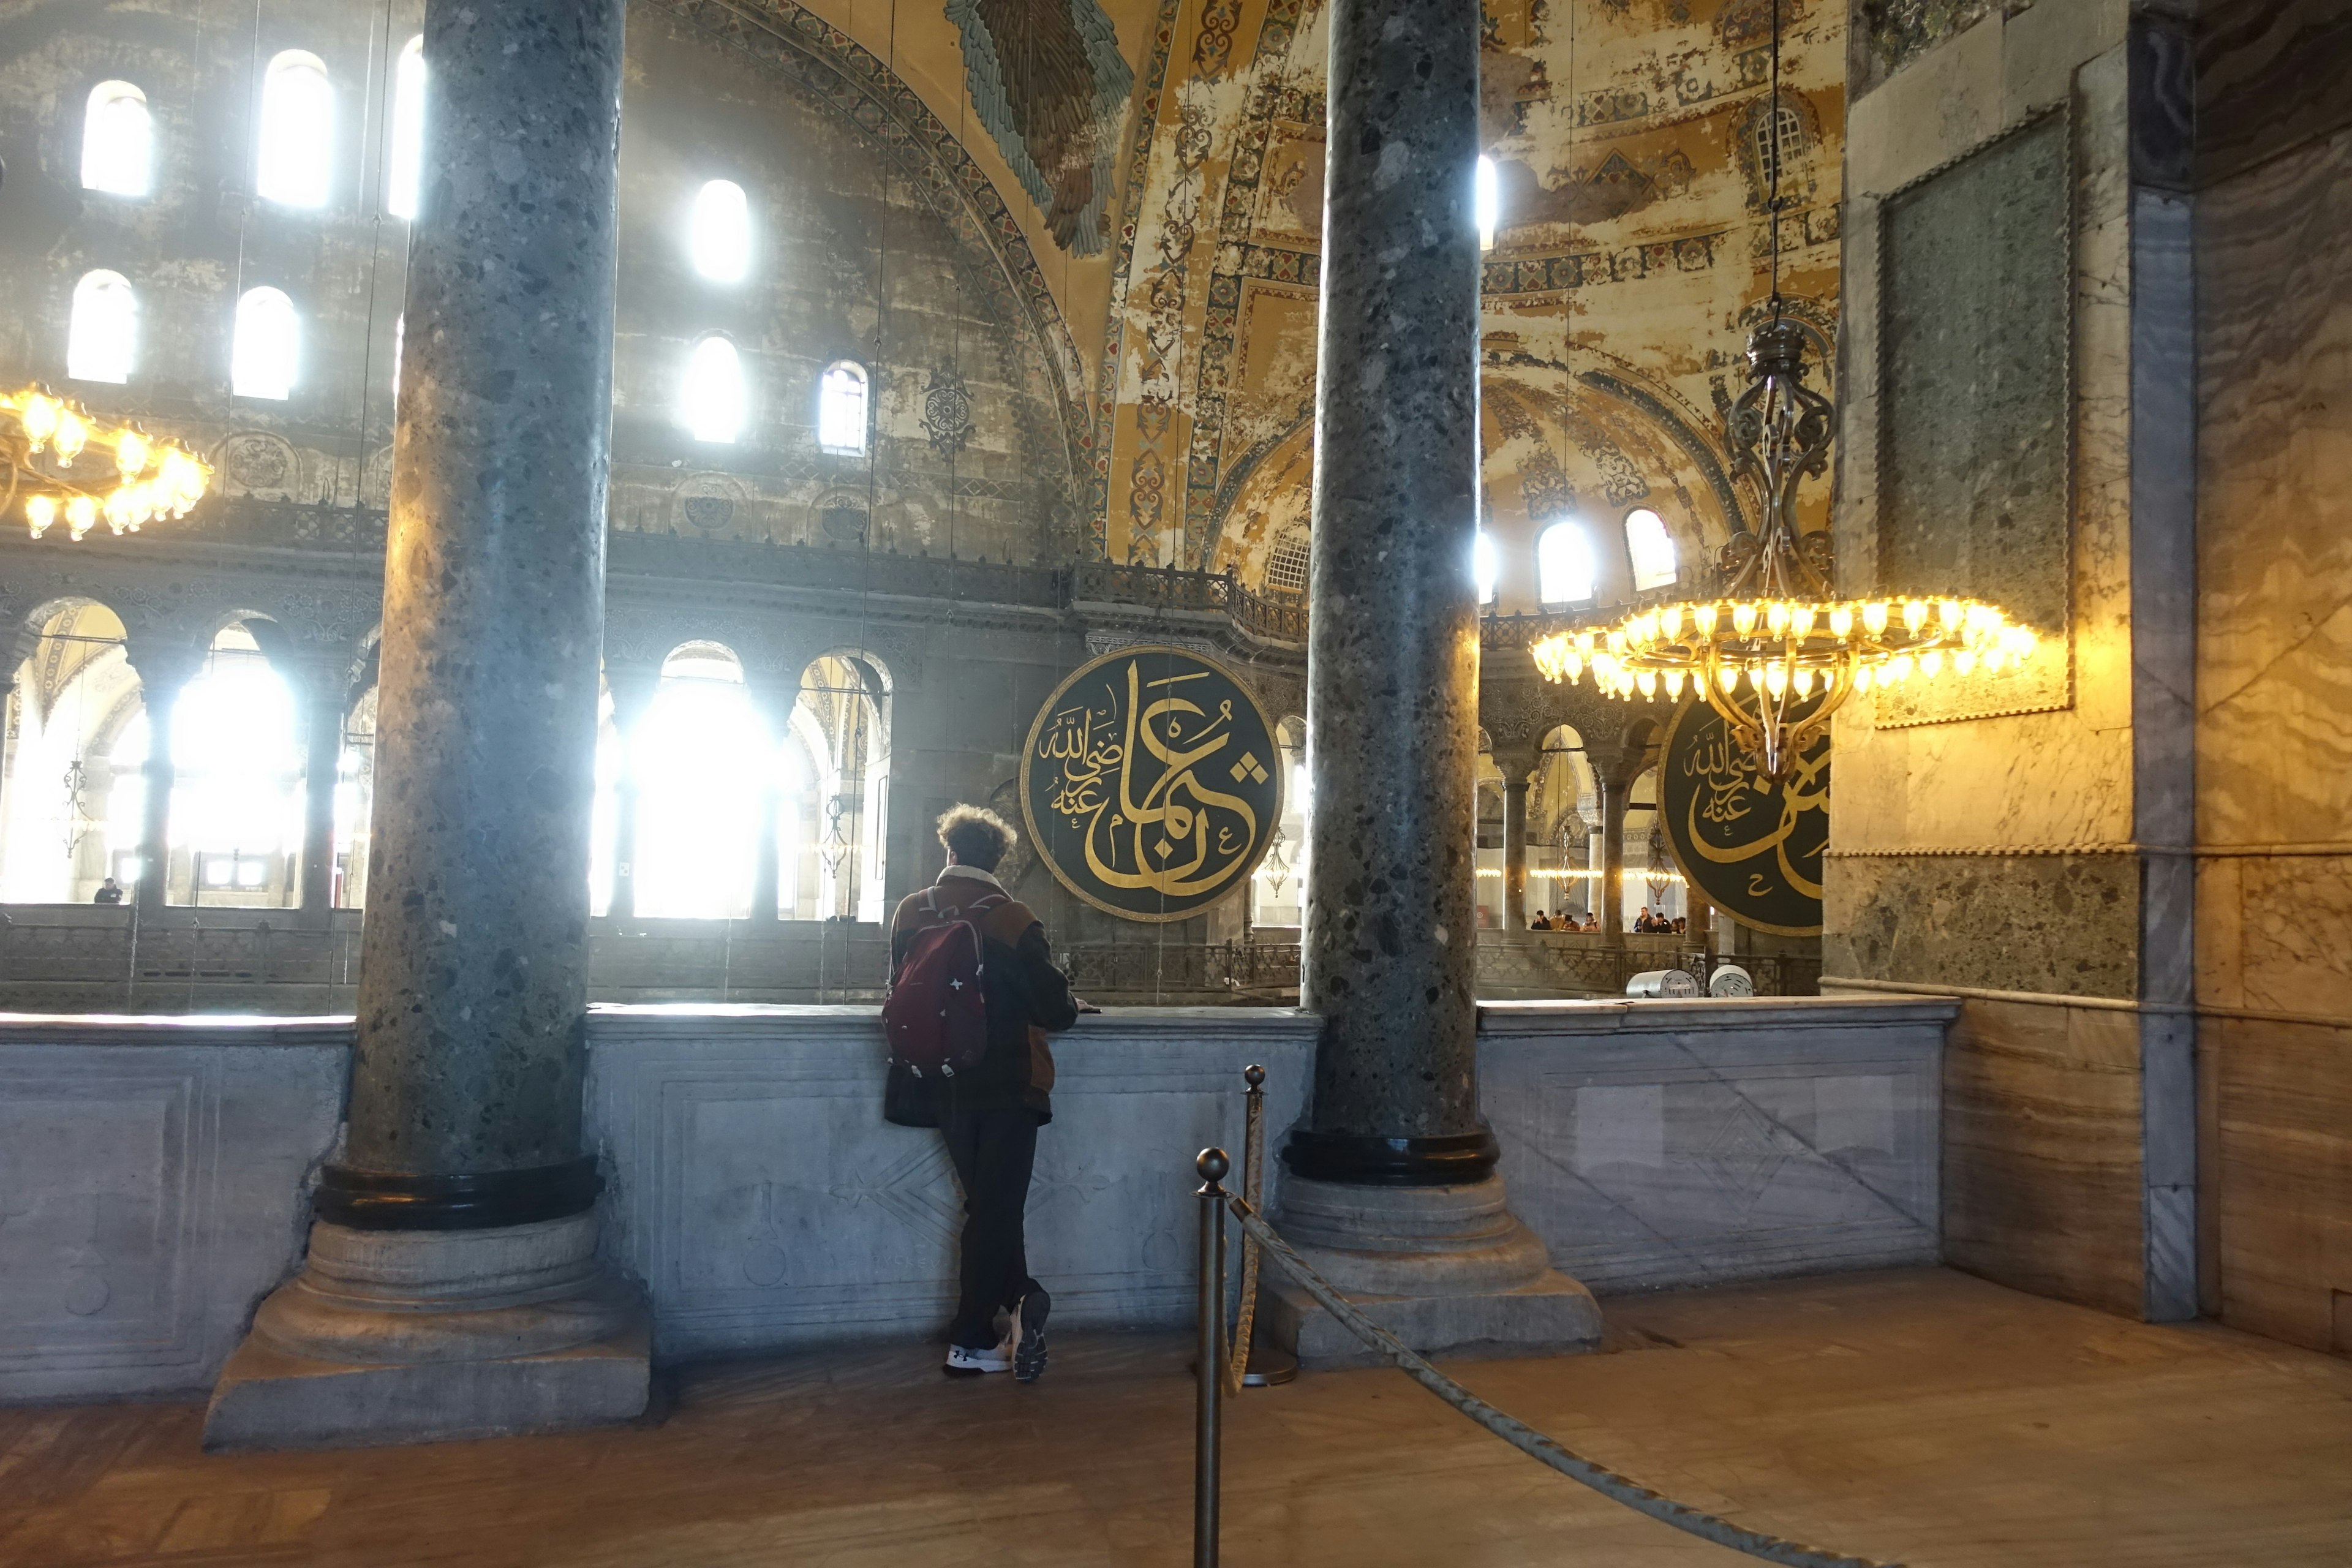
1161	161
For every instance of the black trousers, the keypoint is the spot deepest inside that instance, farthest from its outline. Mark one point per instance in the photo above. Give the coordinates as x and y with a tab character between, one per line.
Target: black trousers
993	1152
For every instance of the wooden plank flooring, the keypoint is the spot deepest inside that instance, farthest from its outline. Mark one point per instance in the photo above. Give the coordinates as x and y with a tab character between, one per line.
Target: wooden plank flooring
1923	1416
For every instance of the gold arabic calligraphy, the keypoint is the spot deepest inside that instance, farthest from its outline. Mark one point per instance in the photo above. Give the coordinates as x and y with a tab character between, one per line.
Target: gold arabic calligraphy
1180	837
1727	792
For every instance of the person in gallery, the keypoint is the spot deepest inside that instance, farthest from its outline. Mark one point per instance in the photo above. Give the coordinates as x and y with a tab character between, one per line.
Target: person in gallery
1541	922
989	1115
109	892
1591	922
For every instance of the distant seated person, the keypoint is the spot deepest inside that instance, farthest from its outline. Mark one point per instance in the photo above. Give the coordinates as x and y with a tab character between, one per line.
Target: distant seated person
1643	923
1682	925
1591	922
109	892
1541	922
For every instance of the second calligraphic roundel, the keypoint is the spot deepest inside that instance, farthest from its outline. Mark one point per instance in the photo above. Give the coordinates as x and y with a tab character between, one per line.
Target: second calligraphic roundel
1752	849
1152	783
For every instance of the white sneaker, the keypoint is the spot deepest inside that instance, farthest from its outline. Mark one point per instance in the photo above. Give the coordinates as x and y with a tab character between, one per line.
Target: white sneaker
963	1363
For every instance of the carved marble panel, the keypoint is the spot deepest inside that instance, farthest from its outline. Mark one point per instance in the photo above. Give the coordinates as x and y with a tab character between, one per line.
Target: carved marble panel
152	1178
763	1200
1657	1143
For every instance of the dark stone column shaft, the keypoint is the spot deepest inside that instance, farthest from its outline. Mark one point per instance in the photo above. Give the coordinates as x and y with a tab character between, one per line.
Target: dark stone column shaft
1392	675
472	1000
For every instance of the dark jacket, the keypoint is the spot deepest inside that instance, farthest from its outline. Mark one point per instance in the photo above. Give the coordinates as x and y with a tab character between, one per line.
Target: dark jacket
1026	995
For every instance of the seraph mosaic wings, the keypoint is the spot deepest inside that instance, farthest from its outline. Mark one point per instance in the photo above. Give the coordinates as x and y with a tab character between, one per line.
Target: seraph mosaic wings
1051	86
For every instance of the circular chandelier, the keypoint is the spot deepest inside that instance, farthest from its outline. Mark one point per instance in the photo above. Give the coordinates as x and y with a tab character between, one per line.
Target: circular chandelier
147	479
1778	651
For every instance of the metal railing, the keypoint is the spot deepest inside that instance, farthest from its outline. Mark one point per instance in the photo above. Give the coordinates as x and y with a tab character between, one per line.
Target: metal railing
1105	970
1217	1374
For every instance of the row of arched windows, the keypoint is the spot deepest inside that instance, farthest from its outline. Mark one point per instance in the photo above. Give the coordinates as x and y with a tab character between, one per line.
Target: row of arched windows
1566	570
265	351
103	337
294	135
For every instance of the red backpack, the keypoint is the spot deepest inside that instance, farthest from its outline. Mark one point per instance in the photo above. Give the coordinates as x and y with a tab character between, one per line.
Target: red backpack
935	1018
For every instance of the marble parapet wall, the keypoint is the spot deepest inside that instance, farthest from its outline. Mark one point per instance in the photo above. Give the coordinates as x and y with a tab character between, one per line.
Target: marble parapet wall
153	1172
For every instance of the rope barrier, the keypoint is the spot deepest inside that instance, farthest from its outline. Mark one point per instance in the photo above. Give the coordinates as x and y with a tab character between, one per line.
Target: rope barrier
1518	1434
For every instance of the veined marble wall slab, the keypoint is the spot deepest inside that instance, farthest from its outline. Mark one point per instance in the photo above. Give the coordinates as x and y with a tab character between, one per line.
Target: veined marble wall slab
151	1191
1659	1144
763	1200
2273	690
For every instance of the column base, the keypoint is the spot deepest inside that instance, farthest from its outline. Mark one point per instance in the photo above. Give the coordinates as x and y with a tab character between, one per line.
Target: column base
428	1336
1449	1270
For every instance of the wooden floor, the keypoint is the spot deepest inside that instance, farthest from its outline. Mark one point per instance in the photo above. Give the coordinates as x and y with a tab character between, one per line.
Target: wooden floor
1922	1417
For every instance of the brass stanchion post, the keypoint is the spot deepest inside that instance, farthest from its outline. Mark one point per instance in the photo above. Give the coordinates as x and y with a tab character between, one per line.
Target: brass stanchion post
1213	1164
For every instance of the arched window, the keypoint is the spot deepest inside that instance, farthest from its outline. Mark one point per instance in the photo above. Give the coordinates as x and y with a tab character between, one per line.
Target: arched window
1489	201
1780	136
1564	564
841	409
118	140
268	352
405	175
720	234
711	400
103	334
1651	549
702	762
296	146
1484	565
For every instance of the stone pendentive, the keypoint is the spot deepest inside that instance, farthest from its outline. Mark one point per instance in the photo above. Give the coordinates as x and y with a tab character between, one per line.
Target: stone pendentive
1392	1193
453	1288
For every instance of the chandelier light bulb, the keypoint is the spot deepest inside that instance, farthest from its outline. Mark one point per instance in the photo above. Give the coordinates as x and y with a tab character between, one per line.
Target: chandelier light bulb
72	435
1776	679
1951	610
1647	681
1964	661
1842	621
130	453
39	418
1675	684
1915	616
1861	678
1743	617
1708	617
1803	681
39	512
81	512
1873	617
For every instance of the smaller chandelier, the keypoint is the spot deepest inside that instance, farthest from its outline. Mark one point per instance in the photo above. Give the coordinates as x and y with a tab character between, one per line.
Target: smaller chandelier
1777	652
147	479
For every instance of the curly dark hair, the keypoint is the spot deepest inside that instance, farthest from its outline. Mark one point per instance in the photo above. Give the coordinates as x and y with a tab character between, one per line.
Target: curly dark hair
977	837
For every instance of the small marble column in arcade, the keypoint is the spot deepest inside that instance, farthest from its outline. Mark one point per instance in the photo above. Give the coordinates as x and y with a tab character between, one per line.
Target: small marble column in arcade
323	760
1613	793
165	669
1392	1193
1515	851
633	694
452	1287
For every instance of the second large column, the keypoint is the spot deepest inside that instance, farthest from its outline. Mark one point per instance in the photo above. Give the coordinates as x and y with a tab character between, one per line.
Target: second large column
452	1286
1392	1193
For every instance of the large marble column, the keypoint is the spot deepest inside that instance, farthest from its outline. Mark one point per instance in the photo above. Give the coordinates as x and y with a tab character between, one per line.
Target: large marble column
452	1287
1392	1192
165	669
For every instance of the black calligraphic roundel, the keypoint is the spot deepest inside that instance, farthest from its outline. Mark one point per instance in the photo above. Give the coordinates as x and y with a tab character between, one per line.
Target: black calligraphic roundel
1152	783
1752	849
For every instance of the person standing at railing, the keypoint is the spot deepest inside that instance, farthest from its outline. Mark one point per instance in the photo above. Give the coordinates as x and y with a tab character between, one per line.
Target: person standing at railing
989	1114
